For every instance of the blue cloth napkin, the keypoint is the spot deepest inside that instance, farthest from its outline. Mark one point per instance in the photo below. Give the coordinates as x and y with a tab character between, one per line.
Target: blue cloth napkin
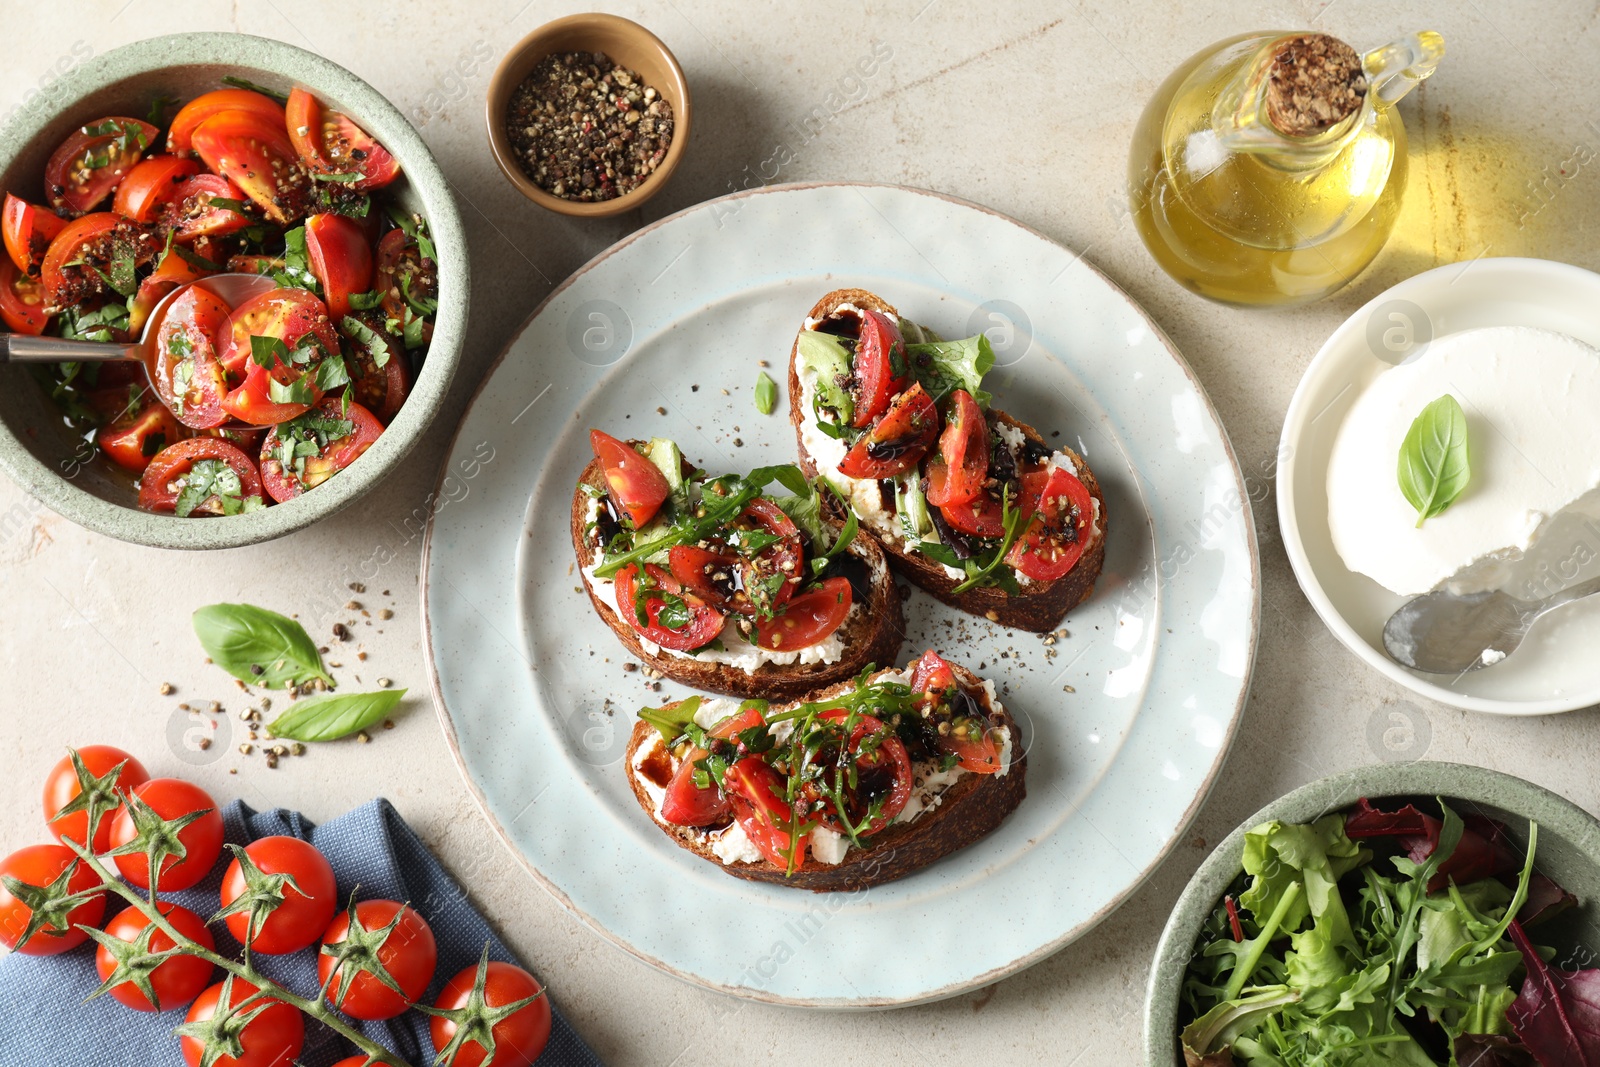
42	1023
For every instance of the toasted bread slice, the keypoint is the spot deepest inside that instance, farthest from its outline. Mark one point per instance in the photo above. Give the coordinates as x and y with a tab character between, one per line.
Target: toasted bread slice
966	811
871	634
1041	605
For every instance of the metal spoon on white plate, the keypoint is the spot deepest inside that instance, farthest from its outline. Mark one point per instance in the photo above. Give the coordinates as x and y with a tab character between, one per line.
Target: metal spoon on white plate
1442	633
232	289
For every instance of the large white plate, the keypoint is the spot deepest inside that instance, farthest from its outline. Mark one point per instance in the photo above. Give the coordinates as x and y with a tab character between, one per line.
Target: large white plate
1555	669
663	335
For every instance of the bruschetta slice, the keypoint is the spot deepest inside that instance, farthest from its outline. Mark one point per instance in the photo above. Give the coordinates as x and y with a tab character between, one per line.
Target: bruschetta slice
861	783
730	584
969	503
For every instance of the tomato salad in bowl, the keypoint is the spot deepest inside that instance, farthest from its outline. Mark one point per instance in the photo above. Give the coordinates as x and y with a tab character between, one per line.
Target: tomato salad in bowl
253	401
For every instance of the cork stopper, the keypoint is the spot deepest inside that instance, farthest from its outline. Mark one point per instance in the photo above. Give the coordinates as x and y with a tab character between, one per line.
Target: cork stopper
1315	82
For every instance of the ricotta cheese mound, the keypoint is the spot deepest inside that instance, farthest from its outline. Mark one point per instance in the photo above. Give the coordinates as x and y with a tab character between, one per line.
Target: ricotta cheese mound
1531	398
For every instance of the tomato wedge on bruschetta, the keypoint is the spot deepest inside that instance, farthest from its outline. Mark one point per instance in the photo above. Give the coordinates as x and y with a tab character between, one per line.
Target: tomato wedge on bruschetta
966	501
858	784
734	584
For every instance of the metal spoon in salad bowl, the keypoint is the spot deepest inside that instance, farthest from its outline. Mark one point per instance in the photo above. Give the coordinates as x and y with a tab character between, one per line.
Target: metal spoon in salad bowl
1442	633
232	289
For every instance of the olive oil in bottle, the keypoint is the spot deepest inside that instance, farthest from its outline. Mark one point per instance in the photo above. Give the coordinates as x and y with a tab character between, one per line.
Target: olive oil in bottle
1269	168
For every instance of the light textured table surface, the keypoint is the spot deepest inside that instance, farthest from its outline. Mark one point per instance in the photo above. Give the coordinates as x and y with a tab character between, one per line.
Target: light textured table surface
1026	110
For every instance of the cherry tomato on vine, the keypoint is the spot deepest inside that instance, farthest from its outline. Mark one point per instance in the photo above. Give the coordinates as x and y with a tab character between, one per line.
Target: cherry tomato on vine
304	914
41	865
272	1039
171	798
176	981
518	1038
61	786
409	955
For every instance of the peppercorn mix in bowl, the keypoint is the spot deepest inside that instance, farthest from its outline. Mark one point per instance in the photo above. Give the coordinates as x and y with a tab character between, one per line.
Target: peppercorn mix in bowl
588	115
45	450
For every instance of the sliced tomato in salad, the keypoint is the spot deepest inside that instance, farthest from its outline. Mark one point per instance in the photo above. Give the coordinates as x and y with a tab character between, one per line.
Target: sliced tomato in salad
879	366
184	365
134	439
288	315
381	388
341	258
637	487
898	440
304	452
28	230
87	166
80	258
202	107
674	618
956	475
756	793
1053	540
687	804
204	206
151	185
171	272
329	143
945	699
881	772
254	152
200	476
808	619
22	300
409	282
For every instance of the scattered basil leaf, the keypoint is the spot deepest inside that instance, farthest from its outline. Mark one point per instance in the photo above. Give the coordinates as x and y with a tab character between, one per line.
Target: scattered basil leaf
158	108
259	646
366	301
331	716
338	176
766	393
1434	466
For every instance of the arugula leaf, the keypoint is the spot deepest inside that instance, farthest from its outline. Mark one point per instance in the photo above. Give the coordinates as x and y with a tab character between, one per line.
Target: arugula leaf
670	720
766	393
987	570
330	716
945	366
259	646
1434	465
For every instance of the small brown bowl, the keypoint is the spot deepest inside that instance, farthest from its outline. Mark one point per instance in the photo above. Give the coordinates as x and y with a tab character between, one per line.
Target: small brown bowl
629	45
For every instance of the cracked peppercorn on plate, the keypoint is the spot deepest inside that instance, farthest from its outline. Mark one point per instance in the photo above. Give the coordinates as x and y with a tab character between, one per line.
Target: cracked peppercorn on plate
1126	711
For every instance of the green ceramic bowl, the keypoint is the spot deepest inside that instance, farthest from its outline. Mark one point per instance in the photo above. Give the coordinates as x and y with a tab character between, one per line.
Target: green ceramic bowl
1569	852
42	454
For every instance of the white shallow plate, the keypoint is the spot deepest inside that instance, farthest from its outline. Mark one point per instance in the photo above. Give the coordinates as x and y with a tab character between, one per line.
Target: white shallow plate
1555	669
662	335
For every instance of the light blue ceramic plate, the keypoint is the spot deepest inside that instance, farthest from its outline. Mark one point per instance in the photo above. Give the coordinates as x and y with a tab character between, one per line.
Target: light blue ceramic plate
1126	721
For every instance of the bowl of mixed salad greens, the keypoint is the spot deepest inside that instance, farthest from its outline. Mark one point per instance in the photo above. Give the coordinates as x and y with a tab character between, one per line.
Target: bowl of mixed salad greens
1403	915
165	167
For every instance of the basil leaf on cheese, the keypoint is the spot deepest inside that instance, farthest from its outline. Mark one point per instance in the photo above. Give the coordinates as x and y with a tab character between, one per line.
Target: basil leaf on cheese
1434	463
